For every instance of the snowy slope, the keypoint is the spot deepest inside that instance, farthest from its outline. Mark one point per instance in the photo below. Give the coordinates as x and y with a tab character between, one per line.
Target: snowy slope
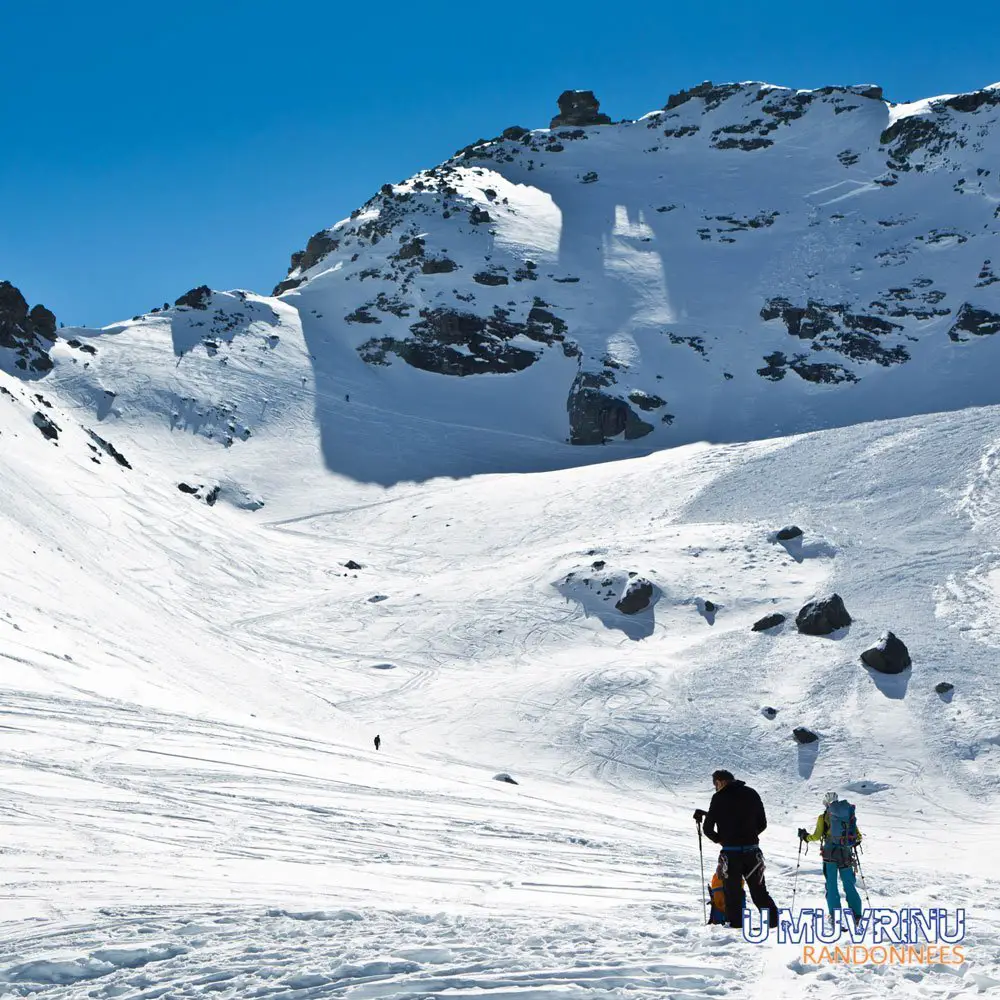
192	690
751	261
230	554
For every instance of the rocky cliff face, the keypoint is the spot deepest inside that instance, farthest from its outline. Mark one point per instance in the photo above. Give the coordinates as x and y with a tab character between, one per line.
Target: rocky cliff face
746	250
26	335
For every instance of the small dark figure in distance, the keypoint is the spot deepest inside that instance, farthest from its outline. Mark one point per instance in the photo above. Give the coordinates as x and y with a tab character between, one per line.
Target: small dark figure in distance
378	741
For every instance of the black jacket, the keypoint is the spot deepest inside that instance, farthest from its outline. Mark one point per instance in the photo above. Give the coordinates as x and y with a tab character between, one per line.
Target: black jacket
736	816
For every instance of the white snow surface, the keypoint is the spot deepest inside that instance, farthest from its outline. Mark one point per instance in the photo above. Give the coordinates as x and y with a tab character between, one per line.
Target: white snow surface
192	680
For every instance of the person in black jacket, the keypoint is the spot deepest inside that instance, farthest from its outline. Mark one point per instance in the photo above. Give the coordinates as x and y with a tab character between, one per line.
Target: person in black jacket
736	819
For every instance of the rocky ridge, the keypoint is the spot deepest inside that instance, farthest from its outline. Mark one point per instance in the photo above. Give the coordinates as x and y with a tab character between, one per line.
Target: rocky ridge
747	261
530	244
26	335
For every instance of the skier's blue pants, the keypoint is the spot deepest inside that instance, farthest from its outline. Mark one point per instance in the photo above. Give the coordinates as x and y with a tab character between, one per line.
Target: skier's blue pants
830	870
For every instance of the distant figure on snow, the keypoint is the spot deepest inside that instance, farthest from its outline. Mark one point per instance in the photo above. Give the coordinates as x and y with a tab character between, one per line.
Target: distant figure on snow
735	820
378	741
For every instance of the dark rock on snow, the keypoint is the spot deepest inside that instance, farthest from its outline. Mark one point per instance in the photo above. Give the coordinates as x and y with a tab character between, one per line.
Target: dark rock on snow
320	244
944	687
109	449
504	777
823	617
451	342
50	430
803	735
351	564
768	621
979	322
595	416
637	596
787	534
197	298
888	656
29	334
438	265
579	107
768	712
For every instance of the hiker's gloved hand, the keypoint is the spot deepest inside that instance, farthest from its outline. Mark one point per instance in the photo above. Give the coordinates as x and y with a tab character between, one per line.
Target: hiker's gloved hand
803	833
699	815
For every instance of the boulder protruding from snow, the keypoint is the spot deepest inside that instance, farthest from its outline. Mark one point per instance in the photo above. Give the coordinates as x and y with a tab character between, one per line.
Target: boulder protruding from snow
579	107
944	687
888	656
788	533
823	617
210	496
637	596
29	334
803	735
504	777
768	712
351	564
768	621
50	430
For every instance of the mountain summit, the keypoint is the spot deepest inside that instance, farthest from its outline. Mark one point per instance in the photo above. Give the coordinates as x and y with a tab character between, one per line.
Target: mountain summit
747	260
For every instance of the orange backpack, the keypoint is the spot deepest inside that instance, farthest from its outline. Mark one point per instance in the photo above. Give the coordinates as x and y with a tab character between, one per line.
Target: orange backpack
716	900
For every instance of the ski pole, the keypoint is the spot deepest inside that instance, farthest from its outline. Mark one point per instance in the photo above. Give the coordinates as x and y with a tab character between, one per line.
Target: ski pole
864	884
701	856
795	881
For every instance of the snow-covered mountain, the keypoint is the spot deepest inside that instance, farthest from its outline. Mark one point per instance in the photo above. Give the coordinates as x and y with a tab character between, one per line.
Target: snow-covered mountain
243	534
750	260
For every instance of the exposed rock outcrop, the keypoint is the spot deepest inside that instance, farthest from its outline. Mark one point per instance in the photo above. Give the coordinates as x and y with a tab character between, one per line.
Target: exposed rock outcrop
451	342
27	334
595	415
196	298
49	428
579	107
979	322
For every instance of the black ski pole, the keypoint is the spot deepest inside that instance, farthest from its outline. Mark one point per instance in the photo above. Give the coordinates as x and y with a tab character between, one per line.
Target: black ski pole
864	884
795	881
701	855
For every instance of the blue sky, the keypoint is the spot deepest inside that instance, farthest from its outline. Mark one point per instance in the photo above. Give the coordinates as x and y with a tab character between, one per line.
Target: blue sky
152	147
